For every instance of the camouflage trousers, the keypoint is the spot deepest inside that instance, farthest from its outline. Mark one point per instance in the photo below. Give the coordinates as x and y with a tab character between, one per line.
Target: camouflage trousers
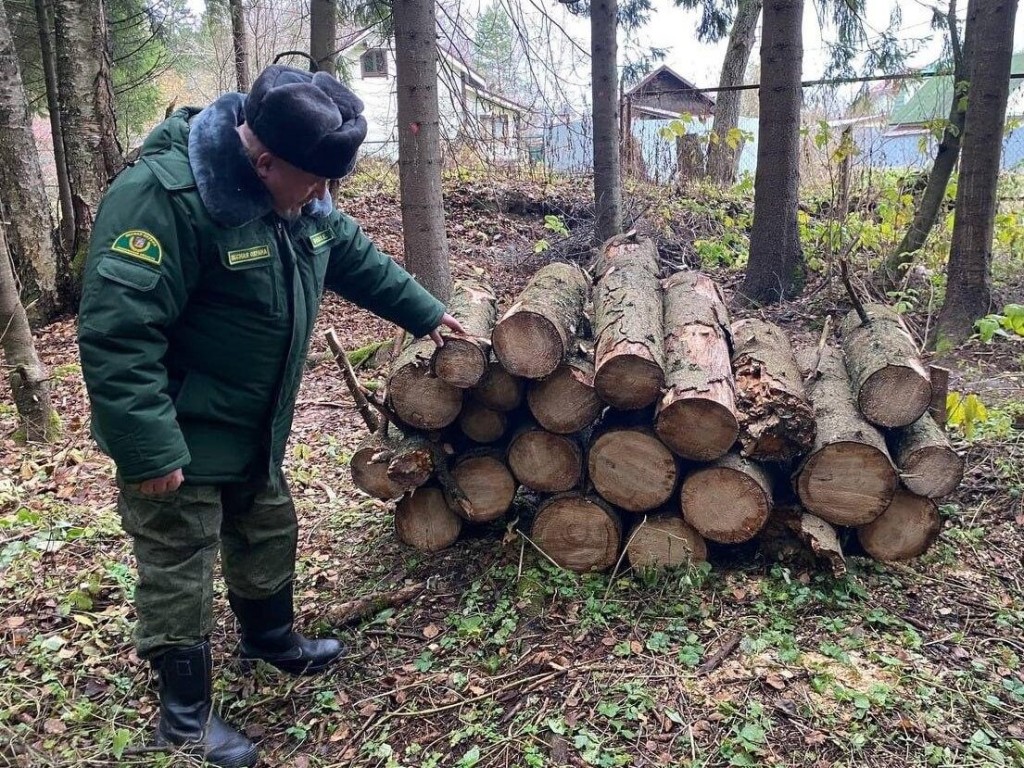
177	537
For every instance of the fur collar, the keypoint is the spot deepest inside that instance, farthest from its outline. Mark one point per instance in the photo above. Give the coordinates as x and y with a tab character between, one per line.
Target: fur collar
229	187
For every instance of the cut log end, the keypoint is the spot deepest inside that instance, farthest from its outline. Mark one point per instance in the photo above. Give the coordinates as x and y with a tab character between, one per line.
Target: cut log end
725	504
847	483
545	462
425	521
481	424
499	389
665	541
932	471
460	362
697	429
632	469
488	485
905	530
528	345
629	382
371	476
422	400
577	533
564	402
895	396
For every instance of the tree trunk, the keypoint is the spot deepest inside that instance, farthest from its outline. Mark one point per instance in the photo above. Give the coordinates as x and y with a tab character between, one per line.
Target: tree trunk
968	274
848	477
425	521
888	379
729	501
946	155
723	155
487	483
417	397
927	463
775	268
323	34
566	402
499	389
544	461
240	45
27	376
629	356
44	21
905	530
578	532
664	541
482	424
696	417
631	468
539	329
87	115
419	146
604	52
462	361
776	420
26	211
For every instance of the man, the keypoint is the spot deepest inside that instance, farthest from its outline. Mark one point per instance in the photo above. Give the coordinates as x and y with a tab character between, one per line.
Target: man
208	260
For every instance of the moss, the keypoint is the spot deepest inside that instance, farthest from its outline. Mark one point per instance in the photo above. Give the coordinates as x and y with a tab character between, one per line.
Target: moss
359	356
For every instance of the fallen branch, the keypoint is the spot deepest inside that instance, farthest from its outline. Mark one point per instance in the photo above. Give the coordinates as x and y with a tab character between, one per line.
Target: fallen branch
360	608
721	655
844	272
351	381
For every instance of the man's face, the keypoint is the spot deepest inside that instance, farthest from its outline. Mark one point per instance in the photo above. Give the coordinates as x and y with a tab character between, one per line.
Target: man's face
290	188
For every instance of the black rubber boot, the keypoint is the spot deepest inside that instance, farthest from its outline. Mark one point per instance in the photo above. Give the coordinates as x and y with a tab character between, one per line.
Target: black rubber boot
187	719
267	635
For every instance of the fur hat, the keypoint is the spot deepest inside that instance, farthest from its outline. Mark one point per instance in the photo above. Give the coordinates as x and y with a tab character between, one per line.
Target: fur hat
309	119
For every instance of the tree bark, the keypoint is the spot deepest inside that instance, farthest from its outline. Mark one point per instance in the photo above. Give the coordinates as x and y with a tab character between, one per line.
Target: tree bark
792	531
578	532
387	465
425	521
848	477
544	461
419	146
417	397
499	389
629	356
604	52
482	424
890	383
539	329
487	483
723	159
905	530
729	501
631	468
968	273
664	541
26	211
566	402
927	463
323	34
776	421
462	361
240	44
775	268
28	378
696	417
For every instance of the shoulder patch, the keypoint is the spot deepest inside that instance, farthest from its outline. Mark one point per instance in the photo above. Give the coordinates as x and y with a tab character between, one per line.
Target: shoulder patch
139	244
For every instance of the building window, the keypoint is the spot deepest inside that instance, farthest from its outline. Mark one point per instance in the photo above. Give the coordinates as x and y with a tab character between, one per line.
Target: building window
495	127
375	63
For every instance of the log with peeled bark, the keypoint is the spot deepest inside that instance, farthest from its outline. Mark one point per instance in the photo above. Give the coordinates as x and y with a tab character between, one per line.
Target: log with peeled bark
386	466
927	463
892	386
487	483
629	354
425	520
631	468
848	477
728	501
566	402
416	396
578	532
499	390
482	424
544	461
776	420
462	361
908	526
539	330
664	540
696	417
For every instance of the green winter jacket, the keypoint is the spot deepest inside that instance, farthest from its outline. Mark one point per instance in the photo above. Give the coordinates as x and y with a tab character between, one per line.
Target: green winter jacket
199	302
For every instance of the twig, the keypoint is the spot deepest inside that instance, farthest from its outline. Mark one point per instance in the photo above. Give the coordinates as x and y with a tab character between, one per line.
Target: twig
844	273
534	681
821	348
721	655
353	610
350	380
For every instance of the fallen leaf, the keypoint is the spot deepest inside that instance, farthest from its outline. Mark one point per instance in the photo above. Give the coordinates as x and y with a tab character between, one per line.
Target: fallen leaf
776	682
13	622
54	726
815	738
431	631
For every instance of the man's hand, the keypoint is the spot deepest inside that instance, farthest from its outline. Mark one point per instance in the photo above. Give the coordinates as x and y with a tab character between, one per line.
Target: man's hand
449	322
159	485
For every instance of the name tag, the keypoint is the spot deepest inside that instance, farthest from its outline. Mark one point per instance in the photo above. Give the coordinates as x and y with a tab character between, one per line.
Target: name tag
322	238
248	255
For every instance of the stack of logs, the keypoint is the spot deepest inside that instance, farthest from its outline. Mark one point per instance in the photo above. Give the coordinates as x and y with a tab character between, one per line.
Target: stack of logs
644	420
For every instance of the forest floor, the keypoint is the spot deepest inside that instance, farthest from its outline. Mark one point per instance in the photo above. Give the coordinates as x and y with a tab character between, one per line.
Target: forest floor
503	660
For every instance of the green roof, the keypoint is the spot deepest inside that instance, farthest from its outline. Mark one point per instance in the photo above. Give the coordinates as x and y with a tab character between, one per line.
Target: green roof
931	101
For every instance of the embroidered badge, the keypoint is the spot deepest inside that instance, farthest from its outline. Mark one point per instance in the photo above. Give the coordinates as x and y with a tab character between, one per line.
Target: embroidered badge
319	239
247	255
139	244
